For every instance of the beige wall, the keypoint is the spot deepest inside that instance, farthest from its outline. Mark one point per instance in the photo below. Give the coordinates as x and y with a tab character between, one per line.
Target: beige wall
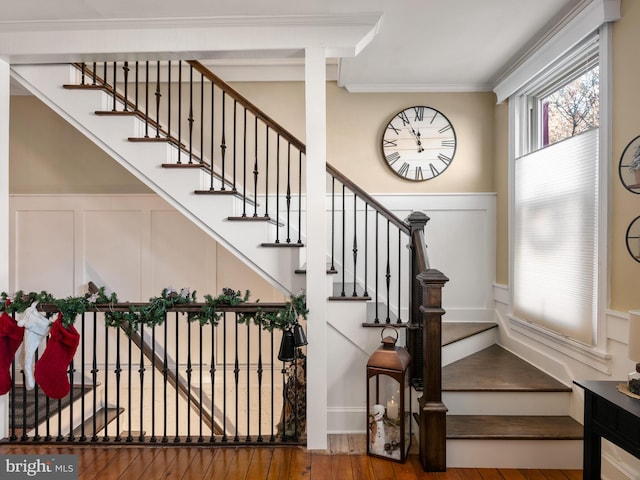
625	206
355	122
48	155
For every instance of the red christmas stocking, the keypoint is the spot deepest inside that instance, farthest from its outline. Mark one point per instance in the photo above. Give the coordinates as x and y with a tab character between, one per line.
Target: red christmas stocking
51	368
10	339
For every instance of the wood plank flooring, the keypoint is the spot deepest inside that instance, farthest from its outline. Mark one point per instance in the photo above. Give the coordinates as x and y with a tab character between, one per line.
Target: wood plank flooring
265	463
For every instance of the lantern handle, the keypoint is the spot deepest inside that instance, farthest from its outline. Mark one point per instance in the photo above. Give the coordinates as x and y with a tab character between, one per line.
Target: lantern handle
389	328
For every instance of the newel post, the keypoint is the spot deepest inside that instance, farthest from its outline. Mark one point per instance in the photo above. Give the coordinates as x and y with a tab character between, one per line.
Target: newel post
426	309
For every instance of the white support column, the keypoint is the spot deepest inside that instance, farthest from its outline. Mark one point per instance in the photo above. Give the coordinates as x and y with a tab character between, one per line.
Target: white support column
4	210
316	293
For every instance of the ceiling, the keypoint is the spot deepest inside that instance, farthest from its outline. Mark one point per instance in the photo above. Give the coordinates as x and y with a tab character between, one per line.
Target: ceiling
419	45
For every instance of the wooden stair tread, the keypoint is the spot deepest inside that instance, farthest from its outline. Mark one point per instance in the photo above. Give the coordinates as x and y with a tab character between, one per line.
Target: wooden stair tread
455	331
25	408
496	369
513	427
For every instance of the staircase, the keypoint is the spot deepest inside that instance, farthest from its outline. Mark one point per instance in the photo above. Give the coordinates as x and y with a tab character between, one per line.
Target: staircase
499	403
501	411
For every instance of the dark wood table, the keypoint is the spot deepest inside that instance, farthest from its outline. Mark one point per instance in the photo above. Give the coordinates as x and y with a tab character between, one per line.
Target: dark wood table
609	414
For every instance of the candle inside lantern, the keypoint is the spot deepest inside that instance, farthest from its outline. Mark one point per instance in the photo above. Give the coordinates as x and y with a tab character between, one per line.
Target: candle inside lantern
392	409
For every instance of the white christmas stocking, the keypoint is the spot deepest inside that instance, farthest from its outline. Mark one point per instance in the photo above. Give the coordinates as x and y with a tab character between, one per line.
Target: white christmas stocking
36	327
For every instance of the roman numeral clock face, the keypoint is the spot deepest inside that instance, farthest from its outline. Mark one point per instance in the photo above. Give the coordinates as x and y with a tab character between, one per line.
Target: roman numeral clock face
419	143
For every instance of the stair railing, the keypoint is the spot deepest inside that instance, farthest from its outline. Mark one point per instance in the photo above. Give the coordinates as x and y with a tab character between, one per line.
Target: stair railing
177	382
424	340
246	153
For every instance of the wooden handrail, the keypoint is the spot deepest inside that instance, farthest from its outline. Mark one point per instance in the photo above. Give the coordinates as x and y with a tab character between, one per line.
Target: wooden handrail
297	143
385	212
248	105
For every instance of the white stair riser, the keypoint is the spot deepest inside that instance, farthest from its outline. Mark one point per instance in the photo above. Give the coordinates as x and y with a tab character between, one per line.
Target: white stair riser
468	346
507	403
539	454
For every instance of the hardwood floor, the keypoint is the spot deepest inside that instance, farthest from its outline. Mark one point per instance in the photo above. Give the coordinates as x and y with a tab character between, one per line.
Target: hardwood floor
250	463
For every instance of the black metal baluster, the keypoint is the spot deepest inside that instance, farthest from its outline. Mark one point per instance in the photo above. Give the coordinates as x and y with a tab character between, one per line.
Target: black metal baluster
399	273
388	275
248	380
190	119
377	318
60	437
125	69
169	99
273	393
105	437
12	395
135	107
165	374
224	377
146	100
235	114
223	140
189	370
200	409
115	79
278	189
83	436
117	372
202	123
177	389
129	381
255	167
83	66
71	374
299	197
213	136
94	73
94	377
288	195
283	371
266	176
158	97
104	76
212	372
344	241
179	112
153	382
244	163
141	376
355	245
333	222
366	250
260	370
236	378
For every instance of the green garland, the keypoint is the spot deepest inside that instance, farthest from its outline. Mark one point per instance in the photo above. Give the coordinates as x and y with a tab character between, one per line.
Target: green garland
154	312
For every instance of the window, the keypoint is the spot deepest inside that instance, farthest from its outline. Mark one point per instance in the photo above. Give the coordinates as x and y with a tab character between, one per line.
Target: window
572	109
555	222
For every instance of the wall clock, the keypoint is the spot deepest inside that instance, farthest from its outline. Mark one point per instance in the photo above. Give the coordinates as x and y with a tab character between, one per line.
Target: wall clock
419	143
629	167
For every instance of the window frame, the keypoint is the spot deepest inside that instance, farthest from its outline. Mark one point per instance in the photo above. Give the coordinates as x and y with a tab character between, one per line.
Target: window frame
523	137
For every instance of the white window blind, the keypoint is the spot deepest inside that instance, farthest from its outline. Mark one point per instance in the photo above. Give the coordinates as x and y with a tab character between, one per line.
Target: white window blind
555	239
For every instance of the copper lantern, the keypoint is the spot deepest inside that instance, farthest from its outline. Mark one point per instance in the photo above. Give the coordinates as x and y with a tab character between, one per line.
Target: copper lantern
389	401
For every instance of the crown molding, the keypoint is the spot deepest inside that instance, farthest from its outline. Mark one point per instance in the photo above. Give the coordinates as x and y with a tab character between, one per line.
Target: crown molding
416	88
579	26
